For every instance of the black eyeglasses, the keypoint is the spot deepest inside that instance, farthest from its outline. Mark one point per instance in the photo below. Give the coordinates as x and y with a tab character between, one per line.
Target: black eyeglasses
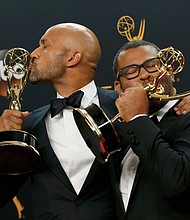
133	71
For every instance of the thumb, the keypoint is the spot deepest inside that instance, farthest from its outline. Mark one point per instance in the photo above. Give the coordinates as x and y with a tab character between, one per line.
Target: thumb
25	114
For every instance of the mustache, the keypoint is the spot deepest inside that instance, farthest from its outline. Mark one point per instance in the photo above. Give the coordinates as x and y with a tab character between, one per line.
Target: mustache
31	63
32	60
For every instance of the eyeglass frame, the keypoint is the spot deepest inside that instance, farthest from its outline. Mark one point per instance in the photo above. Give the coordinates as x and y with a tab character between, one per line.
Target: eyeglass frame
120	71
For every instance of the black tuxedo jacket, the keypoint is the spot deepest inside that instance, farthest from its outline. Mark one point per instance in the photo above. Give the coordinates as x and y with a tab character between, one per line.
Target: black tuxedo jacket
53	194
161	189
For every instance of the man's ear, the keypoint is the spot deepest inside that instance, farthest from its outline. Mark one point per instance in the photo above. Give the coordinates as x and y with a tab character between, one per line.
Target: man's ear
117	86
74	59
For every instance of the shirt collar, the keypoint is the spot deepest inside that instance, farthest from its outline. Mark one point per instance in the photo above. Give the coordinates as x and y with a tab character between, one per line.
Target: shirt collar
90	91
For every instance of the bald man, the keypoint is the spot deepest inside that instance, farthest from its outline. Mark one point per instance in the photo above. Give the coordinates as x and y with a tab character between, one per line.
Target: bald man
70	183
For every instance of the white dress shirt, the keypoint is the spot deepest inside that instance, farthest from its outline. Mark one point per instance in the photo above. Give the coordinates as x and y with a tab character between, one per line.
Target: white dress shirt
130	162
69	146
129	166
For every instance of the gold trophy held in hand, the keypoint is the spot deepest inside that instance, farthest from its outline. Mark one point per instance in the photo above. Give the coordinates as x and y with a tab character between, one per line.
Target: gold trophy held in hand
18	154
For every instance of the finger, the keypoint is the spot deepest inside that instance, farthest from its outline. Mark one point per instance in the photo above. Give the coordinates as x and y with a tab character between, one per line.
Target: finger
182	109
181	112
120	94
184	104
11	119
180	105
178	112
25	114
12	123
12	113
16	120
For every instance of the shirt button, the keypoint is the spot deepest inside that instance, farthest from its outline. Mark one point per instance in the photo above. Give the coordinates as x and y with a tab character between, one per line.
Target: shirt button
78	202
130	132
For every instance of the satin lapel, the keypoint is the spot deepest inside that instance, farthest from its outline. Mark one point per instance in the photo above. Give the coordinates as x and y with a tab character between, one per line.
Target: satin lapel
167	121
47	153
107	102
105	99
90	178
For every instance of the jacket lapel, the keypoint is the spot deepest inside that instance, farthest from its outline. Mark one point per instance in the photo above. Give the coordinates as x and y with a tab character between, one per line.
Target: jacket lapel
138	175
46	151
167	121
107	102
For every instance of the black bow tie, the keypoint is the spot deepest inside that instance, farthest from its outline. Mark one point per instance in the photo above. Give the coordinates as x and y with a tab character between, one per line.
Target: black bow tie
59	104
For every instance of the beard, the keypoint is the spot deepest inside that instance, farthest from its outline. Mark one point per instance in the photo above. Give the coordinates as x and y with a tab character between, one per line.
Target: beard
156	104
49	72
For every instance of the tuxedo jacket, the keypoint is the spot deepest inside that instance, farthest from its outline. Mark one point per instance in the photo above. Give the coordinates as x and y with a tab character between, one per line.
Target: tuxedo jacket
161	189
53	194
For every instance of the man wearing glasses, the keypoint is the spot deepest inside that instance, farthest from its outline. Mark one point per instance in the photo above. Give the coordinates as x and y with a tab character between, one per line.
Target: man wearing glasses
133	70
155	179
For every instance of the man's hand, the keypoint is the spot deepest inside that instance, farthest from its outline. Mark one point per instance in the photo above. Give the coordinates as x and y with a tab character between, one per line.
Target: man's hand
12	119
183	107
132	102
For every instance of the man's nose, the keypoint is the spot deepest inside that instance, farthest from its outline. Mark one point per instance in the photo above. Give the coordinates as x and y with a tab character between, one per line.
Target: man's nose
35	54
143	73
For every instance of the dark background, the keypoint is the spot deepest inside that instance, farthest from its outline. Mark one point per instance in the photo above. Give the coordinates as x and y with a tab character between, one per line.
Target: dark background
23	22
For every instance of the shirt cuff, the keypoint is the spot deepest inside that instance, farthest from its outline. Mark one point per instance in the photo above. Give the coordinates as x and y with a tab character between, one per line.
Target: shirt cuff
137	116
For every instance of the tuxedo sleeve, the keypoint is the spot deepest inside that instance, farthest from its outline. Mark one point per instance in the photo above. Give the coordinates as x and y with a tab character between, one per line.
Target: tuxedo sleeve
166	157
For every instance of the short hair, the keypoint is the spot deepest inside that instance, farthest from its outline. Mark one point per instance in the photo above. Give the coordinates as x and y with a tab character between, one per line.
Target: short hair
129	45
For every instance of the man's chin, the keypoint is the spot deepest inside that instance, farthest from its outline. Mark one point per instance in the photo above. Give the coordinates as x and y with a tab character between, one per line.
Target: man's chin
34	81
39	81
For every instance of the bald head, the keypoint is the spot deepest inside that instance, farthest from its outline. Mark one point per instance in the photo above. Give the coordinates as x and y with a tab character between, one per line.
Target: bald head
67	57
78	37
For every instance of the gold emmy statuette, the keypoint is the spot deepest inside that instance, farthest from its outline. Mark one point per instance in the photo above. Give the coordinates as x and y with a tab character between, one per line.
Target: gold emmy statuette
98	130
171	62
18	154
126	25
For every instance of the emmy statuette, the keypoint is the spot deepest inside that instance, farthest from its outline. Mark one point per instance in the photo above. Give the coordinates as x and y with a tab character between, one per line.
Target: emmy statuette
18	154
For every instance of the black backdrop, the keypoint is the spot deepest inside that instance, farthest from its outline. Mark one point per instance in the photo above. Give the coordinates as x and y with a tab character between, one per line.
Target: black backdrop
22	22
